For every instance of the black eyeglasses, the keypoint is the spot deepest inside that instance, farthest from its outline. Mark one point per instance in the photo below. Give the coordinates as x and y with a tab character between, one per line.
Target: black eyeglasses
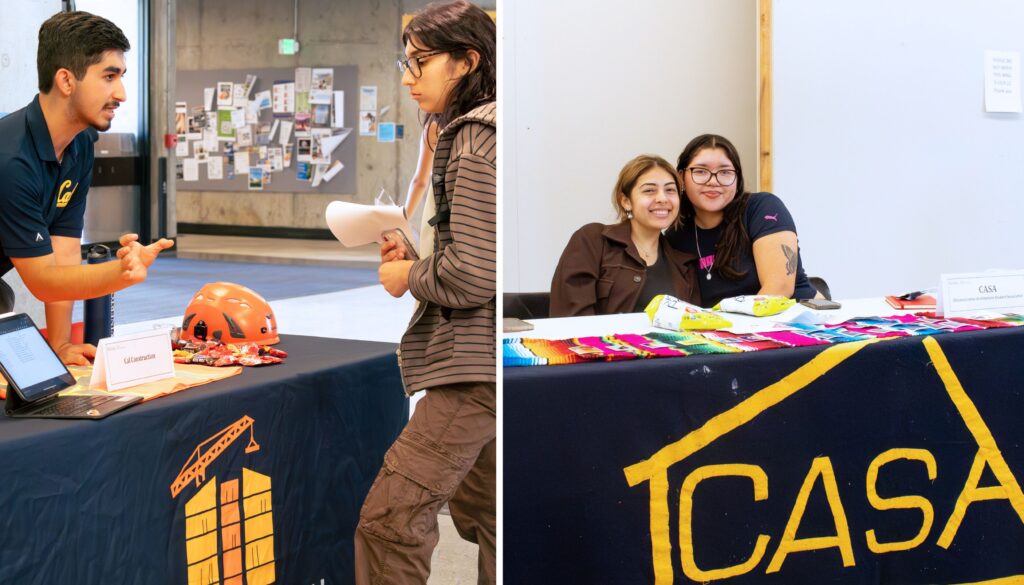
701	176
413	63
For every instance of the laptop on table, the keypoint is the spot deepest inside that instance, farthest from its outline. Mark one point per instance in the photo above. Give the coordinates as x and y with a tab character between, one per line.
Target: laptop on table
35	376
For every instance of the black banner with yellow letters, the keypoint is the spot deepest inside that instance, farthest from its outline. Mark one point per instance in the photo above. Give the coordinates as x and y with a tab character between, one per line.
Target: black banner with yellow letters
893	461
255	479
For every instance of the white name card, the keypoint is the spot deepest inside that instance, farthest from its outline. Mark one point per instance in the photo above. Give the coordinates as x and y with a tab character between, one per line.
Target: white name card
979	293
130	360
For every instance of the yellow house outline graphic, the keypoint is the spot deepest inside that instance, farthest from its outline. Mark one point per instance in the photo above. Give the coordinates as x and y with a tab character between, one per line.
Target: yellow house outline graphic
219	536
655	469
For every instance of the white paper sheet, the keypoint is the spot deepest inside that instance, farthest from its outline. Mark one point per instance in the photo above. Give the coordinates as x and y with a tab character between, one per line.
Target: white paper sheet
215	168
333	170
190	170
329	143
238	118
210	141
318	174
319	155
241	162
263	100
286	131
338	112
355	224
1002	81
303	78
243	136
368	97
239	96
283	98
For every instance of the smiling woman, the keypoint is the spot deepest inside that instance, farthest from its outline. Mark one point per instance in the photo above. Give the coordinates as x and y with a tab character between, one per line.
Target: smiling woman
619	268
746	242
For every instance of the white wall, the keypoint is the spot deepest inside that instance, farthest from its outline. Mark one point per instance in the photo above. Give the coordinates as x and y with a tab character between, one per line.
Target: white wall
125	14
883	150
587	85
19	83
19	39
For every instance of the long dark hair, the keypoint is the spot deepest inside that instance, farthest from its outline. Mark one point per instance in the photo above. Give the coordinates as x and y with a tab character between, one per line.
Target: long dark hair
456	27
734	232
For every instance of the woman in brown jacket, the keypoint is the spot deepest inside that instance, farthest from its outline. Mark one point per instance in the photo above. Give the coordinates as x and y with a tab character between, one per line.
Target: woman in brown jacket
618	268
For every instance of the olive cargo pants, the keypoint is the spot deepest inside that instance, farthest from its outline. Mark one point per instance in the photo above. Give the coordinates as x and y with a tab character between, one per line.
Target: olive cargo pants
446	453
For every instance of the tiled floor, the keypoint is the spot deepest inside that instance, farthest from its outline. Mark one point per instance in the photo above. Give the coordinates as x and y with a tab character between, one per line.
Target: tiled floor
364	313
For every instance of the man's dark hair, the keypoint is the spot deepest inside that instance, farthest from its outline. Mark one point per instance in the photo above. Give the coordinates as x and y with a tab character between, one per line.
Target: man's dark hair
75	41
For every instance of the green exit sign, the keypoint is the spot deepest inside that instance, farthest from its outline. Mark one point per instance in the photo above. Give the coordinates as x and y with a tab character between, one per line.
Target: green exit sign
287	47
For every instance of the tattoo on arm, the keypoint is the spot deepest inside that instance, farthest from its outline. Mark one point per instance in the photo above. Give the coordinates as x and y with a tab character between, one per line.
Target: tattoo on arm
791	258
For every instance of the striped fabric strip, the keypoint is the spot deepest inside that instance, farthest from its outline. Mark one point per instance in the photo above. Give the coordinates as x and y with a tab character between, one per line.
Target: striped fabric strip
530	352
451	338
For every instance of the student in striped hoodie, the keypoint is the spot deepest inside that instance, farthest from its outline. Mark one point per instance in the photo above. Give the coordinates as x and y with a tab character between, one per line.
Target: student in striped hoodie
446	453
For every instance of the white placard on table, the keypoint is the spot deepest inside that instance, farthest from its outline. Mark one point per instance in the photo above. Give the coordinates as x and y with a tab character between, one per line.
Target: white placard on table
981	293
129	360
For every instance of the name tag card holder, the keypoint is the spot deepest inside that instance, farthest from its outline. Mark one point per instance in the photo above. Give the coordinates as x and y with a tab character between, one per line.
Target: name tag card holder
980	293
130	360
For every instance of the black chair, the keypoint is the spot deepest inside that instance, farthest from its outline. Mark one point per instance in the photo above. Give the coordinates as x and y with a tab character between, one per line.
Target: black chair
821	286
6	298
528	305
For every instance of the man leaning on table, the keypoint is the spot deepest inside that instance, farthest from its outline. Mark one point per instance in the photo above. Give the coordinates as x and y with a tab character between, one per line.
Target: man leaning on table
46	160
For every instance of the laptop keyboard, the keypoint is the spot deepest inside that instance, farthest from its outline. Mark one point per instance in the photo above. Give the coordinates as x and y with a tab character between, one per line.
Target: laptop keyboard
73	405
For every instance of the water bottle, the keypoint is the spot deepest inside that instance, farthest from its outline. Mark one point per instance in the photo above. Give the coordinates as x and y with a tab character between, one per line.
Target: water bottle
99	312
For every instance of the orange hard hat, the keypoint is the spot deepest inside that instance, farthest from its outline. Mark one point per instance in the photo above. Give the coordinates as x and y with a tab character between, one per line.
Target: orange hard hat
229	313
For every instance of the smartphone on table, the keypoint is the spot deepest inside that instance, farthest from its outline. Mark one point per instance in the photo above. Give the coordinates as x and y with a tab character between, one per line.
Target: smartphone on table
820	304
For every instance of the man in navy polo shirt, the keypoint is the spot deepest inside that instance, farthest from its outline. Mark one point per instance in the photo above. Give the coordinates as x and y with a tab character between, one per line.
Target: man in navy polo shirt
46	160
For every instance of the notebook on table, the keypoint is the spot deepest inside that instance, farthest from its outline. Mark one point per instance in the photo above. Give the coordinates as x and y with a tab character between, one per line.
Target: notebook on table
921	303
35	376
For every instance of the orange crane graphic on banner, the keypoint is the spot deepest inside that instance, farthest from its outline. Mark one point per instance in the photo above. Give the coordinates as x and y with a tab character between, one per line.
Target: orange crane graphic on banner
195	467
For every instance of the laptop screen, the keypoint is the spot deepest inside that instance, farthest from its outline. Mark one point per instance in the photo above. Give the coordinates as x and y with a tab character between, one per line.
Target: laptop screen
28	362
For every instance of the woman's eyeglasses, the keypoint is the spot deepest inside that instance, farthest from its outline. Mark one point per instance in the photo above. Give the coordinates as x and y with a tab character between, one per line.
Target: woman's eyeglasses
412	64
701	176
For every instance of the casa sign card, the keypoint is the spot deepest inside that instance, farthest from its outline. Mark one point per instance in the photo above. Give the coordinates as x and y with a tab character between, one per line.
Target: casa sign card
979	293
129	360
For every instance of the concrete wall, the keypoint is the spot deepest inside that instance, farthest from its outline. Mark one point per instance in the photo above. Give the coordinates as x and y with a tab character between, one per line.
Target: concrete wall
236	34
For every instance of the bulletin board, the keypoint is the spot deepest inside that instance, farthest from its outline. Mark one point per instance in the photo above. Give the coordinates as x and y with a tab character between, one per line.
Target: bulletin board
190	89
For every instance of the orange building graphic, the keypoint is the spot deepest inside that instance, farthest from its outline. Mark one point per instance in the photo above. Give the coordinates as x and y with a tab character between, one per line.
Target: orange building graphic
229	532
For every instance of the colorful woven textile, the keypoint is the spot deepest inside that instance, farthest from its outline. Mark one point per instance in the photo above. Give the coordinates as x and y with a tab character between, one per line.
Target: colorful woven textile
536	352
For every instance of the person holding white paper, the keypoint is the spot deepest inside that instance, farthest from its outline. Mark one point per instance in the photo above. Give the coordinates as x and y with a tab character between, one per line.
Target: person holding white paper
447	451
46	162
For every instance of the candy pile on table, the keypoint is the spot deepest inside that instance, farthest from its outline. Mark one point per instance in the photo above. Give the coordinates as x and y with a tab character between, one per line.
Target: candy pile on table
215	353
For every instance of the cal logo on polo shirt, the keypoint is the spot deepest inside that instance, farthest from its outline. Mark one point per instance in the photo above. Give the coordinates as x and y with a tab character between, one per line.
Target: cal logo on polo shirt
63	195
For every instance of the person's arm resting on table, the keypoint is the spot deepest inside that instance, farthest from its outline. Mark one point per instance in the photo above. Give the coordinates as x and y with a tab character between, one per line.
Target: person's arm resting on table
775	256
66	252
